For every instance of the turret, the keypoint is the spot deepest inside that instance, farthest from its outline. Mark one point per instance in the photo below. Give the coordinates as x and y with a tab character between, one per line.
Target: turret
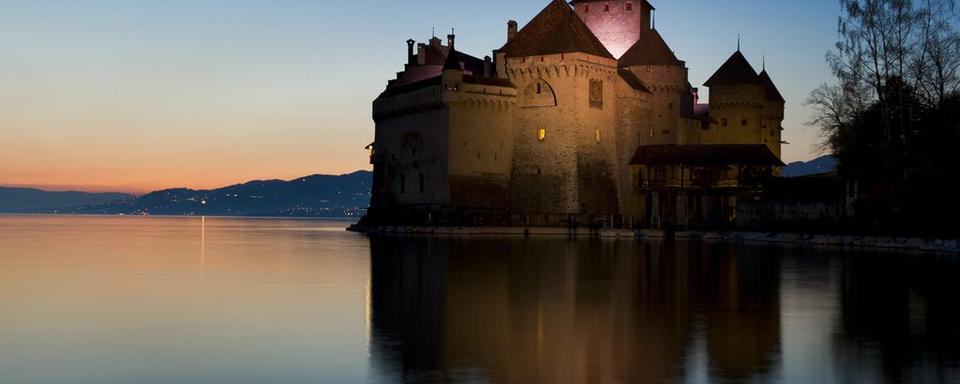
453	71
738	102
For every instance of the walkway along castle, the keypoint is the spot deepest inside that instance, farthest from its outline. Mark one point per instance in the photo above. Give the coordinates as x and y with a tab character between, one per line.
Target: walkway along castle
584	116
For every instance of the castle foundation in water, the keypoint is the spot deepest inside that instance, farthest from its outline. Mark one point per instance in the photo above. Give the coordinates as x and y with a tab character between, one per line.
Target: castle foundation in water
584	117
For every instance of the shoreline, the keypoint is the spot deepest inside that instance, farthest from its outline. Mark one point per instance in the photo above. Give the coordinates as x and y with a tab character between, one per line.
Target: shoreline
839	241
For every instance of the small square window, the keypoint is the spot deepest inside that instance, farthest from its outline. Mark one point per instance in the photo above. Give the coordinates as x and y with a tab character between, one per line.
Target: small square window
629	7
743	122
606	7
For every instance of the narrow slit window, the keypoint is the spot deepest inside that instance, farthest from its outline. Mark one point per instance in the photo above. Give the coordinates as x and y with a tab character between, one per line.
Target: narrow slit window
423	183
542	134
403	184
598	136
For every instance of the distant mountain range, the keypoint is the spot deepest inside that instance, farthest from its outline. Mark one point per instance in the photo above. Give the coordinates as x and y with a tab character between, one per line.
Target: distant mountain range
824	164
28	200
309	196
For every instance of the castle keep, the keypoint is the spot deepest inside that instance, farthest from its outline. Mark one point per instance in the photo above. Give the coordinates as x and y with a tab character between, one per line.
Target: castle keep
584	114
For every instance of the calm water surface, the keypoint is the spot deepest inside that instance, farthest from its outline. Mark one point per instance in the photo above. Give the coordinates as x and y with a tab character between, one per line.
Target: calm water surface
191	300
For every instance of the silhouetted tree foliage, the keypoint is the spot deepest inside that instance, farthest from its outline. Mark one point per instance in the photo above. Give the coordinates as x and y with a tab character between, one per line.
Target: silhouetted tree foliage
893	117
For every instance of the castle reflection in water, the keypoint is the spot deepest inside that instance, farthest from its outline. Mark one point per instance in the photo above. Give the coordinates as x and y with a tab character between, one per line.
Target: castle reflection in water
553	311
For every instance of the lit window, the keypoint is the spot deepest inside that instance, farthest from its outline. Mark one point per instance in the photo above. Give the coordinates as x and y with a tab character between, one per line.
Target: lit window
542	134
598	136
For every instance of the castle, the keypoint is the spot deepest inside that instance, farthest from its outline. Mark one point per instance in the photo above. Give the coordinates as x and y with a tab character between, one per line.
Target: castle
584	115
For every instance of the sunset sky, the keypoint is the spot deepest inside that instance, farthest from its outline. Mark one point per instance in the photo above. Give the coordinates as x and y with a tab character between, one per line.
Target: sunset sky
125	95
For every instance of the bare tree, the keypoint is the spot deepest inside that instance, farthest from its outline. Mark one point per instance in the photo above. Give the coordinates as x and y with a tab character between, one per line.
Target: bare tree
913	42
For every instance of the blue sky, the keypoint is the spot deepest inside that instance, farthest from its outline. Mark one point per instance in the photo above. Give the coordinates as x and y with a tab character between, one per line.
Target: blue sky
138	95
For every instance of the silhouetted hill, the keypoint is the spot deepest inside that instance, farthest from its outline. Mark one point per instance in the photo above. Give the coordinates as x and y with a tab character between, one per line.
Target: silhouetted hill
28	200
819	165
310	196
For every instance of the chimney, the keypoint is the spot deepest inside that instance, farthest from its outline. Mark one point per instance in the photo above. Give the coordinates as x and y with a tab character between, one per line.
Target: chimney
410	55
487	66
511	29
647	17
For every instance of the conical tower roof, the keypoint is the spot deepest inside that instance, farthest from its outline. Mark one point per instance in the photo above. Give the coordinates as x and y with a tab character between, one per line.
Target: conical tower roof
453	61
772	93
556	29
651	49
737	70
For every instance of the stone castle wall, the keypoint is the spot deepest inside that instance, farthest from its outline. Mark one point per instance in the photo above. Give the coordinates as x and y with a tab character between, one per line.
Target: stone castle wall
567	170
481	145
412	147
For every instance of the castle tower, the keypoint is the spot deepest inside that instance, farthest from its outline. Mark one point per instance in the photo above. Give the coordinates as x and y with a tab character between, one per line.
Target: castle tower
738	101
565	149
654	63
617	23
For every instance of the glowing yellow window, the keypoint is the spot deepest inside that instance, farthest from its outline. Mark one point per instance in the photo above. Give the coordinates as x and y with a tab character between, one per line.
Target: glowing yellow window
542	134
598	136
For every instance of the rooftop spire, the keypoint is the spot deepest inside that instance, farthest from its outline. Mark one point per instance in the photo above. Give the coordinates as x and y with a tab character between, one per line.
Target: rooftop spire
738	42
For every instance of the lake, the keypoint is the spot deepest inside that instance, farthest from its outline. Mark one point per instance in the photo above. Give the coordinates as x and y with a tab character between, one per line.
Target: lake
219	300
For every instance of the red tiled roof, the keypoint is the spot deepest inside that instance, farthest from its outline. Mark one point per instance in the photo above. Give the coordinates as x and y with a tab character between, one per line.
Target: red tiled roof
737	70
706	155
651	49
772	93
556	29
